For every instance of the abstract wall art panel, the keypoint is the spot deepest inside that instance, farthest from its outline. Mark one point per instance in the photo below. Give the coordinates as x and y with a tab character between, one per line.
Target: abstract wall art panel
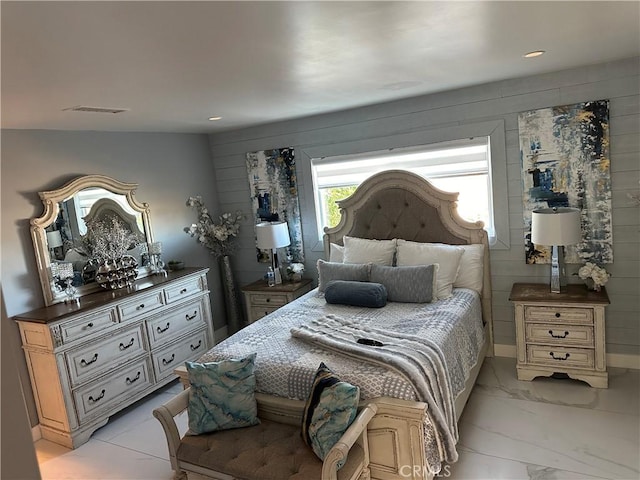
274	194
564	153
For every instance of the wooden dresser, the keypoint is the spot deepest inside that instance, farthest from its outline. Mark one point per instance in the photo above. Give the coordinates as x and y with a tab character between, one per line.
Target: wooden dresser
560	332
89	361
260	299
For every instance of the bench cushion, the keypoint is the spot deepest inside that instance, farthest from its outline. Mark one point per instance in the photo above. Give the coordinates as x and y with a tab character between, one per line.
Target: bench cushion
269	451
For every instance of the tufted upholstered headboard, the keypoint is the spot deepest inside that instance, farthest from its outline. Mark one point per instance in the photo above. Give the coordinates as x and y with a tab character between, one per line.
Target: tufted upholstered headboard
401	204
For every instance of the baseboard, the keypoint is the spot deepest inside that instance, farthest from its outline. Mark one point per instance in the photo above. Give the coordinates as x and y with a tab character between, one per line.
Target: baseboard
618	360
36	433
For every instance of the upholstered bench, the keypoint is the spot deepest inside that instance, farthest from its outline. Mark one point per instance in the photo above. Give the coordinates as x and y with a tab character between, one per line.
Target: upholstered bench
273	450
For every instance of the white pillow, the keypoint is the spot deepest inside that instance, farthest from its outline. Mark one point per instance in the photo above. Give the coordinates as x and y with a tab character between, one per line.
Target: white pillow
336	253
470	274
446	256
364	250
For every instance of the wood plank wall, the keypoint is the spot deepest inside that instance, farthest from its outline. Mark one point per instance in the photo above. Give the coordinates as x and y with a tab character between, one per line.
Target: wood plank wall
502	101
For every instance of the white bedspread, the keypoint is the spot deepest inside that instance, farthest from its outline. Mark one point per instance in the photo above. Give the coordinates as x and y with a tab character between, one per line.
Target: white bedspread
285	366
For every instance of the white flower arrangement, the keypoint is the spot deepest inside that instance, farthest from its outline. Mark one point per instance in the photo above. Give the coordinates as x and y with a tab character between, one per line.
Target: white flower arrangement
108	239
217	237
597	274
295	271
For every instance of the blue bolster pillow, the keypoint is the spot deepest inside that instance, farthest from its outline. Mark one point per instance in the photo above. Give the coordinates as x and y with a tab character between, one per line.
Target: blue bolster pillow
357	294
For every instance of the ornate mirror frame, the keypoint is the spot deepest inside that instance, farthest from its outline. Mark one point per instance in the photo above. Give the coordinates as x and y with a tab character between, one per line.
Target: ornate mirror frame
51	201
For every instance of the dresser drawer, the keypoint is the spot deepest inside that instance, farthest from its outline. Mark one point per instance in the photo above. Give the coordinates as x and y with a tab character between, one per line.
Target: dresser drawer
104	354
167	359
87	325
103	394
563	357
558	315
174	323
549	333
268	299
182	290
141	305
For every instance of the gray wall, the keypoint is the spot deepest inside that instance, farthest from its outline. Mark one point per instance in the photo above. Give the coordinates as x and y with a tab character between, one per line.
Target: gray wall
431	117
168	167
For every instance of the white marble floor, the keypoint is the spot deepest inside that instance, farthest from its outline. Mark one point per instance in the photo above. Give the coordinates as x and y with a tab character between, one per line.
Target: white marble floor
548	429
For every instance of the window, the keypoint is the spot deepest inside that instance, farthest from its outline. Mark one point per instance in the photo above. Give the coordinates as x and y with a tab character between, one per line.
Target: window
456	166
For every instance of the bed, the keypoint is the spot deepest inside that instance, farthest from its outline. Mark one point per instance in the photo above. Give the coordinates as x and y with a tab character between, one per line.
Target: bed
408	437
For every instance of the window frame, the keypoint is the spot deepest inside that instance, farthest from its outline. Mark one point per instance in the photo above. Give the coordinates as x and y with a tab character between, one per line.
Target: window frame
495	130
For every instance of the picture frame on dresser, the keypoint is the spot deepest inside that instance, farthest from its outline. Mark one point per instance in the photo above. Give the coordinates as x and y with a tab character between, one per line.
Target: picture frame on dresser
560	332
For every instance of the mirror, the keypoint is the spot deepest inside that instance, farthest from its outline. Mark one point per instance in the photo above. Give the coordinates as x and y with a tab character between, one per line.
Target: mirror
58	234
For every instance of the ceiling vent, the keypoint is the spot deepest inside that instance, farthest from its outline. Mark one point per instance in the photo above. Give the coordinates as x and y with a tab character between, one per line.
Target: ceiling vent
85	108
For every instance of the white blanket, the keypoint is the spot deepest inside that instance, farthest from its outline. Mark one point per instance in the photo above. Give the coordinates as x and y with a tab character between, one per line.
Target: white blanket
420	360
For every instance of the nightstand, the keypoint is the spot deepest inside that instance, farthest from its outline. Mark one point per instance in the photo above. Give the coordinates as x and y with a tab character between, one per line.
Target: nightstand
560	332
260	299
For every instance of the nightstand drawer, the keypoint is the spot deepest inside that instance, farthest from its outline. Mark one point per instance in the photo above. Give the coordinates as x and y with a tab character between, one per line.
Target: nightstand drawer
559	315
559	334
258	312
267	299
563	357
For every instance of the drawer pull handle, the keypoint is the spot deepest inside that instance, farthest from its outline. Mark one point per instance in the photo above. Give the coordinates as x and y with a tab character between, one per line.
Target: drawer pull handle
90	325
566	355
135	379
557	314
140	307
195	314
167	362
184	290
124	347
84	363
98	398
193	349
558	336
268	300
162	330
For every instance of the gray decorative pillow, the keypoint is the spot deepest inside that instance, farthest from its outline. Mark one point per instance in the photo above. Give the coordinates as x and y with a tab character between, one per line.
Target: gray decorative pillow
328	271
357	294
406	284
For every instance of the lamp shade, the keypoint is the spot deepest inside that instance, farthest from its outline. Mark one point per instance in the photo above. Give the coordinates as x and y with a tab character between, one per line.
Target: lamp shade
272	235
556	226
54	239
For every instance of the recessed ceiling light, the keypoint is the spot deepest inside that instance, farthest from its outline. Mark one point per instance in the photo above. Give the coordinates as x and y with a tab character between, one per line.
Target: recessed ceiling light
213	119
535	53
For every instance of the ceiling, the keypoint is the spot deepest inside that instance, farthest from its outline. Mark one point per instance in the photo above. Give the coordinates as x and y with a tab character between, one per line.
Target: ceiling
175	64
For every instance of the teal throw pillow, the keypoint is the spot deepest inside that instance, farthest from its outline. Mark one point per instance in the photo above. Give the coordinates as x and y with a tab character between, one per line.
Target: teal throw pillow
222	395
330	409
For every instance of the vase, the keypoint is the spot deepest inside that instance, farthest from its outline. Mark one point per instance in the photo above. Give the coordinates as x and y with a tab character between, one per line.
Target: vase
231	301
591	285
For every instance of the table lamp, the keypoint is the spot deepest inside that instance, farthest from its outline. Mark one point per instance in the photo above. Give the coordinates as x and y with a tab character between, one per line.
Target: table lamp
271	236
556	227
54	240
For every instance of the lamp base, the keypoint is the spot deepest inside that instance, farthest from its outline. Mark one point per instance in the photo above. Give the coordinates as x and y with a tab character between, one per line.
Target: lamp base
558	278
